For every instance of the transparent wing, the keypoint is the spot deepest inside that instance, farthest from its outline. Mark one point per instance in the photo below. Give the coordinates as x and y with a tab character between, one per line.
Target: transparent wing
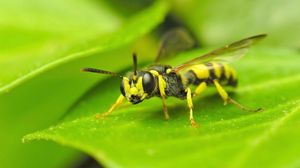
226	54
173	42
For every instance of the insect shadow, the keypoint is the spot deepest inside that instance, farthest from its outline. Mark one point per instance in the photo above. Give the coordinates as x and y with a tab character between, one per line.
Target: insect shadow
206	105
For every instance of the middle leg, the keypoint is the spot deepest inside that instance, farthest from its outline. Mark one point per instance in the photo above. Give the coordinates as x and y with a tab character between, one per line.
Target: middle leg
200	88
161	87
190	105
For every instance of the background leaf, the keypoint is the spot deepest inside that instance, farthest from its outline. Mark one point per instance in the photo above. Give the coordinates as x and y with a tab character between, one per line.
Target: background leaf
37	33
42	100
213	22
227	137
29	61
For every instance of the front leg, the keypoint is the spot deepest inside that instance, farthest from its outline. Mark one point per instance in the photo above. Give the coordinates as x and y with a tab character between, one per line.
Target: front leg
113	107
162	86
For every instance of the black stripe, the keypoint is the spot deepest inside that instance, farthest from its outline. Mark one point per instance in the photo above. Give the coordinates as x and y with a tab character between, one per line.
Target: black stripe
223	76
212	73
232	81
192	78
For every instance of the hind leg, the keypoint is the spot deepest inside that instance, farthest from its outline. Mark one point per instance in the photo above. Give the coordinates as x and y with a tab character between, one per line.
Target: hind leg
227	99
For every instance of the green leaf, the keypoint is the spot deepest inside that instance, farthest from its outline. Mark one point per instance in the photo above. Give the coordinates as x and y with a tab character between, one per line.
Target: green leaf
37	36
138	136
42	47
213	22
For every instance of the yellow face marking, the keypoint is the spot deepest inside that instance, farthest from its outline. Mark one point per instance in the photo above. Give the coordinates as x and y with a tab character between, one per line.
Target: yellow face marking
126	86
201	71
134	89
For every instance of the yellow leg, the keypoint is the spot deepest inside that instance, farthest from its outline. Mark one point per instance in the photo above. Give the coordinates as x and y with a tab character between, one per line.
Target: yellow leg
227	99
190	105
200	88
162	85
113	107
165	109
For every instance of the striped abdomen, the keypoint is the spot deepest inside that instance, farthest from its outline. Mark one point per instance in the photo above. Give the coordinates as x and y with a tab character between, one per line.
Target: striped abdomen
210	71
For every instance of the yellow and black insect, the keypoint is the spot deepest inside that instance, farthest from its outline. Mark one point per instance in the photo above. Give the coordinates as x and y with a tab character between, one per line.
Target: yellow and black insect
164	81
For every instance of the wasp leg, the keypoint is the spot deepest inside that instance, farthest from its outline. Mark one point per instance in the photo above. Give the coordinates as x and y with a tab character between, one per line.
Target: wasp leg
200	88
227	99
113	107
162	85
165	109
190	105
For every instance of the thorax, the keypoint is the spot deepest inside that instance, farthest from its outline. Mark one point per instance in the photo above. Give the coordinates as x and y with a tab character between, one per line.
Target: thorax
174	85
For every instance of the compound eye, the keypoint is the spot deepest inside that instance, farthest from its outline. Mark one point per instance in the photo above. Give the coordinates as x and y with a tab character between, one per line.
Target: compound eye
148	82
122	88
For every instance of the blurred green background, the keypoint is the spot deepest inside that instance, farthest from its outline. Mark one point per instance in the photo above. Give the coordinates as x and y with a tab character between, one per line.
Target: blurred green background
43	44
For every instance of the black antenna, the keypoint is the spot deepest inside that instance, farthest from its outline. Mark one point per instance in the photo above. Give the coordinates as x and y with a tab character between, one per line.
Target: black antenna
134	57
100	71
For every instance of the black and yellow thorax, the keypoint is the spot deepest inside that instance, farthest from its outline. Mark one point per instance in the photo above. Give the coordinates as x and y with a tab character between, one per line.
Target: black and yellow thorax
173	84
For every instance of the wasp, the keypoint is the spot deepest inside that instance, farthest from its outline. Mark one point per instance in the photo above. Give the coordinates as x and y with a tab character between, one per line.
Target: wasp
159	80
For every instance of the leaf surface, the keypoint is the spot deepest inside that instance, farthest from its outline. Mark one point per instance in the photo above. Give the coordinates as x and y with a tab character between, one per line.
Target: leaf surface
213	22
41	46
37	37
138	136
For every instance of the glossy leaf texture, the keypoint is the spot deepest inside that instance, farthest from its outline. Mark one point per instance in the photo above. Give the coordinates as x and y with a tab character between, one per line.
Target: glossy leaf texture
138	136
213	22
45	43
41	43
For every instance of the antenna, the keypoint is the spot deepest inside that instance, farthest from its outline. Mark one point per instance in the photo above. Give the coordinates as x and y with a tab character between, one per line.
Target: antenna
100	71
134	57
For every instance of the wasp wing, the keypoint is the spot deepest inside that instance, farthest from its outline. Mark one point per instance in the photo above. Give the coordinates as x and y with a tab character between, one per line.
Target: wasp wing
226	54
173	42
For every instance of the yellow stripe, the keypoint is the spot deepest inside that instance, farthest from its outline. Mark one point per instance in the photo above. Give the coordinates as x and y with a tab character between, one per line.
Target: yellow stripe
162	85
227	70
154	73
201	71
217	69
233	72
